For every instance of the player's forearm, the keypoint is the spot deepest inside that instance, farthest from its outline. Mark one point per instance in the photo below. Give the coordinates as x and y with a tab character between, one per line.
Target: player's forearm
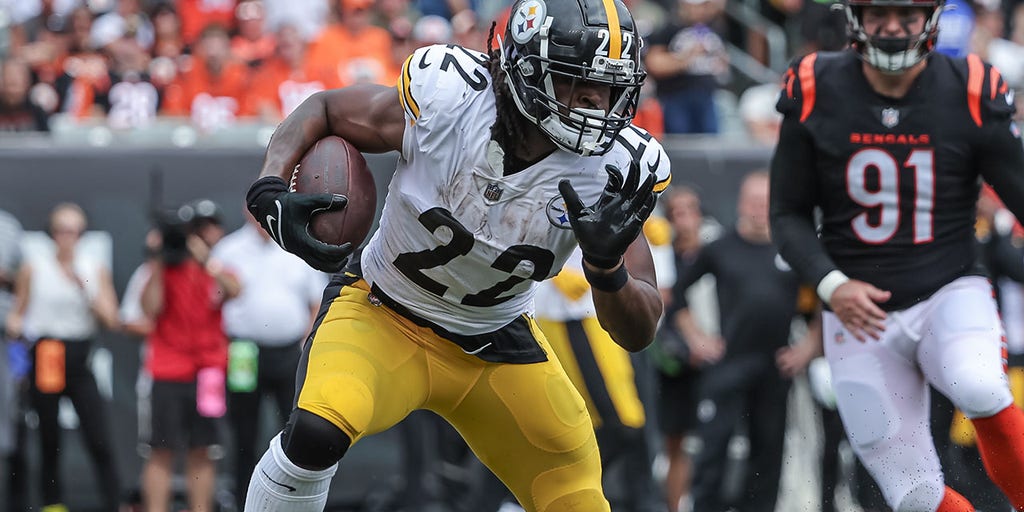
630	315
294	136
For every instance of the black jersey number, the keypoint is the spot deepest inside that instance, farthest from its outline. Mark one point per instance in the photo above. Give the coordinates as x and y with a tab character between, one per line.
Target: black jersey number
411	264
886	196
478	81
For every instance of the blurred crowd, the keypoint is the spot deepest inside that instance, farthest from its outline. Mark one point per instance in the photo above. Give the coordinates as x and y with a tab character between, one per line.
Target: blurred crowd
214	64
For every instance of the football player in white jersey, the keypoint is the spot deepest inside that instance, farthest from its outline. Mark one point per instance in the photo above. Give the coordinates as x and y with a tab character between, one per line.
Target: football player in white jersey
508	160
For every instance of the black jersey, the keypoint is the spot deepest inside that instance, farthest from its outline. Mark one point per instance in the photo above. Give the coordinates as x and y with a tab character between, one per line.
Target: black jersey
896	180
757	292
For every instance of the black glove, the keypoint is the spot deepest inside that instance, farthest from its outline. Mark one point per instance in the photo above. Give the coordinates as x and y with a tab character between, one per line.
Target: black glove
285	215
606	229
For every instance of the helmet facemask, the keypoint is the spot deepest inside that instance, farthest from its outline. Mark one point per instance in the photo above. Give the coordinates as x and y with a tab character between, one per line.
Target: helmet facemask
532	75
893	55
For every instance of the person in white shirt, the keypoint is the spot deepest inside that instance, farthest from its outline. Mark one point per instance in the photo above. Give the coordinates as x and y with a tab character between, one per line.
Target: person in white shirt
266	325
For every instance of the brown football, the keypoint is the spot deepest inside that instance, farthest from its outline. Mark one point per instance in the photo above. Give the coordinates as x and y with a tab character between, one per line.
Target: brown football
333	166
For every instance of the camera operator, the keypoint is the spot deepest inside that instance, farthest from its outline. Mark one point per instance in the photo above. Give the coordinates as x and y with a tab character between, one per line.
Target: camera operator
186	356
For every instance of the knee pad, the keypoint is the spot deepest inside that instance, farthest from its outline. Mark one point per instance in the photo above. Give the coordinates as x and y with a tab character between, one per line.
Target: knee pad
924	496
981	396
312	442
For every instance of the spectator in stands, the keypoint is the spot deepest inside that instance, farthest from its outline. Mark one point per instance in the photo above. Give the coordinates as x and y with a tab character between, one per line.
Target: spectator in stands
211	89
469	32
387	12
17	112
989	43
63	298
282	82
167	38
12	374
82	68
309	16
678	369
196	15
266	325
649	114
757	110
353	48
757	300
131	99
253	43
168	46
685	59
186	357
127	20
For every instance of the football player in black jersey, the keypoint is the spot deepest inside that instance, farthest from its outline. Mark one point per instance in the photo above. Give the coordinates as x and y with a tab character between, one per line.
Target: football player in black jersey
890	142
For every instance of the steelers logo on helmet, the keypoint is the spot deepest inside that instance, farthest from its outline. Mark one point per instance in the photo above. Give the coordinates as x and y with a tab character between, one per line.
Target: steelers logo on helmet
527	19
592	42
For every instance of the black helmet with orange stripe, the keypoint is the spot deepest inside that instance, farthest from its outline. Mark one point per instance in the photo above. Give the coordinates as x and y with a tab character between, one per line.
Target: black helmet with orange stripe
573	40
893	55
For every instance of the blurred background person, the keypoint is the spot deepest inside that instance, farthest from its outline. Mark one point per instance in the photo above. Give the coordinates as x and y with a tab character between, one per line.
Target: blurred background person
17	111
266	325
309	16
211	89
353	47
757	110
677	368
286	79
253	42
62	300
685	58
196	15
13	368
740	386
186	358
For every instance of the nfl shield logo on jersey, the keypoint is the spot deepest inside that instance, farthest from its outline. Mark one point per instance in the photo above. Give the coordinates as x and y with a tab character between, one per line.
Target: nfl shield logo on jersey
890	117
493	192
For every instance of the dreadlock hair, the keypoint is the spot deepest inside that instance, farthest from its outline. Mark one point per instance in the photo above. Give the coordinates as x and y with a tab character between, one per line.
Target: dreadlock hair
509	128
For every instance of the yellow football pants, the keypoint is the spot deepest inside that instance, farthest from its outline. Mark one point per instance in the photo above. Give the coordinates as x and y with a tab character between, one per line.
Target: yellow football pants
369	367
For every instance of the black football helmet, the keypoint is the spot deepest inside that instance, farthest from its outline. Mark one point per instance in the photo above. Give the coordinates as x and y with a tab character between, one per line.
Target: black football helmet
589	40
893	55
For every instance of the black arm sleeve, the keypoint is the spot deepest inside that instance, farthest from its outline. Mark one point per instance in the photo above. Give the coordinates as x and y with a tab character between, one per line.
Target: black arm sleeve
793	198
1001	162
1000	155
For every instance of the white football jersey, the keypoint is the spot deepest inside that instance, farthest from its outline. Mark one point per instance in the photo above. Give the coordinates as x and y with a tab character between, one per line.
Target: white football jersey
460	244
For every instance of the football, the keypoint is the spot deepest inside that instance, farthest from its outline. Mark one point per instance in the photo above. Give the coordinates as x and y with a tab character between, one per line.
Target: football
333	166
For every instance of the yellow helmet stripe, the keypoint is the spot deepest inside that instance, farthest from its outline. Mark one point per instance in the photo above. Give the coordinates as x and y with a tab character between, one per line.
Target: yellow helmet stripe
614	30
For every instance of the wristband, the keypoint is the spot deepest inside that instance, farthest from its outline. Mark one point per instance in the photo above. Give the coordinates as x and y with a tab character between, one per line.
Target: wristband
264	184
828	284
607	282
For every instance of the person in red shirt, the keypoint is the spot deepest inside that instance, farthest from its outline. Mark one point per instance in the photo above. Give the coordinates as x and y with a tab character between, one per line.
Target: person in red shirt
186	358
354	48
288	78
196	15
212	88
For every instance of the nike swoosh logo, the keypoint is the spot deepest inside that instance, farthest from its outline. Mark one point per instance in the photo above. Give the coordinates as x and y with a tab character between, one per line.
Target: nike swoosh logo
653	167
286	486
423	64
477	351
272	222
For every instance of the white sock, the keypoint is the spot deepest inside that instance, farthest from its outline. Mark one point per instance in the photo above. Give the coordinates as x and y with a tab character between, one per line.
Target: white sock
278	485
